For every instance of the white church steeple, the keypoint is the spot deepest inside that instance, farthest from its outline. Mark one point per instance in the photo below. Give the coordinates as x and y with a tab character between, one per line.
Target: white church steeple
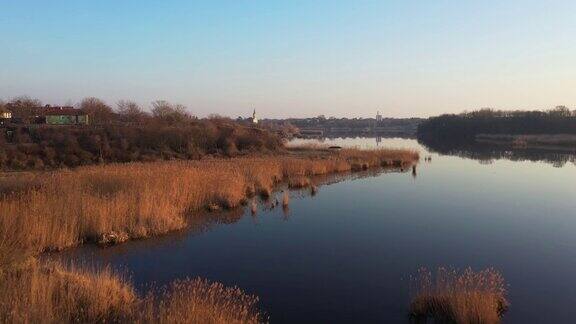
254	118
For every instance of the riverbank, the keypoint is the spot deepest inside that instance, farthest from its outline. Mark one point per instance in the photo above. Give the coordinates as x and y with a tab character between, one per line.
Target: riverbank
114	203
46	211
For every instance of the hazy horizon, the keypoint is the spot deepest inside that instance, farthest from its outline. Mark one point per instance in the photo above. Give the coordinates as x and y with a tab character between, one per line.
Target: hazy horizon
293	59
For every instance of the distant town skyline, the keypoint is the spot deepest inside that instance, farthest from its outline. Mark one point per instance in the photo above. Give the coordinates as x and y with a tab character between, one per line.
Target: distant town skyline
293	58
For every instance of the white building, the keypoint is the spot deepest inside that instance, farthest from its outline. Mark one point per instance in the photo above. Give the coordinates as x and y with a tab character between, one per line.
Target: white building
254	118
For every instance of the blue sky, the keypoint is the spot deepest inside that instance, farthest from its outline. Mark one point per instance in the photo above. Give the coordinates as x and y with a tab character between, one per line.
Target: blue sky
293	58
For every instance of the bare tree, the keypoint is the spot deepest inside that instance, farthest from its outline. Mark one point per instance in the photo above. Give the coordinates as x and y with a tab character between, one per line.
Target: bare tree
130	112
98	110
170	113
24	107
560	111
218	117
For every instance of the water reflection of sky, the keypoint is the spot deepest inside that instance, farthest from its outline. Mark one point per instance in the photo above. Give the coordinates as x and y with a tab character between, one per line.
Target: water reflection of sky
345	254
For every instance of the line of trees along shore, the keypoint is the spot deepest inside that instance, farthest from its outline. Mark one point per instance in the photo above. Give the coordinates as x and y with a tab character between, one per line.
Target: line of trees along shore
123	134
467	125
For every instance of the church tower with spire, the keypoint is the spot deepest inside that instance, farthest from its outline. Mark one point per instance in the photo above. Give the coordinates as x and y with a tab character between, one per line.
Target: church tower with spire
254	118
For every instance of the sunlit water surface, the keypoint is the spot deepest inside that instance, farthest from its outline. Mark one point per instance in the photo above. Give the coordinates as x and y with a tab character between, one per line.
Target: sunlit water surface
345	255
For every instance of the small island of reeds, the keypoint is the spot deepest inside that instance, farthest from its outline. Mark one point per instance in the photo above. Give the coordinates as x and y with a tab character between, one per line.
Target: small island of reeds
461	297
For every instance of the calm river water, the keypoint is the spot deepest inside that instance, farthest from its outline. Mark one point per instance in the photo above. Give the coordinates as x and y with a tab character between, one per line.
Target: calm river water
345	255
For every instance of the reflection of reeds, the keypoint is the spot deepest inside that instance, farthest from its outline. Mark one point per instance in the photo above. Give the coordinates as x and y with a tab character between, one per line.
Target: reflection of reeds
55	210
313	190
459	297
53	293
285	199
298	182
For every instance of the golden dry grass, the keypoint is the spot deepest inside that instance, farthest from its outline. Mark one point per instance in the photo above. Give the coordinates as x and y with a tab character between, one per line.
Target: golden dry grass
298	182
199	301
52	293
112	203
466	297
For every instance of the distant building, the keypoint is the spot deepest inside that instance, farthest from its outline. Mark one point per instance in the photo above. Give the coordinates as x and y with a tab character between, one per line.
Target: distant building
5	114
65	116
378	121
254	119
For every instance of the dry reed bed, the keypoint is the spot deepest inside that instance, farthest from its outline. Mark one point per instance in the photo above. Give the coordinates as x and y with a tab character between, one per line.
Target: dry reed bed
52	293
113	203
466	297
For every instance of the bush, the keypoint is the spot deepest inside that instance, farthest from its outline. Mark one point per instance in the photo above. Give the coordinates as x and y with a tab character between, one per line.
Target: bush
49	147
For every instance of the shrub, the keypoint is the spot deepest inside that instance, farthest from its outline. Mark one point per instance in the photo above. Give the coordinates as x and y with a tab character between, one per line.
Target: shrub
53	293
74	146
465	297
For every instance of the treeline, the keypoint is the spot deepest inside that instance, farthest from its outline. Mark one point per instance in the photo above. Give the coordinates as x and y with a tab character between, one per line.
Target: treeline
332	122
123	134
465	126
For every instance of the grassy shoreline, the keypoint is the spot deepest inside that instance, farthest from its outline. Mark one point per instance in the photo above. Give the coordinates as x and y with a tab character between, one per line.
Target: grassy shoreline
114	203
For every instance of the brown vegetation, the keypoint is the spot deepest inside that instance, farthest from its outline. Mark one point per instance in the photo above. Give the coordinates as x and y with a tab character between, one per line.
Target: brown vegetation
53	293
466	297
298	182
199	301
127	134
51	147
465	126
111	203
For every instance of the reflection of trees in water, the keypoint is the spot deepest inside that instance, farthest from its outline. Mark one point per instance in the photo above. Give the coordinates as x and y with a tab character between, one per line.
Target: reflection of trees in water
486	153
